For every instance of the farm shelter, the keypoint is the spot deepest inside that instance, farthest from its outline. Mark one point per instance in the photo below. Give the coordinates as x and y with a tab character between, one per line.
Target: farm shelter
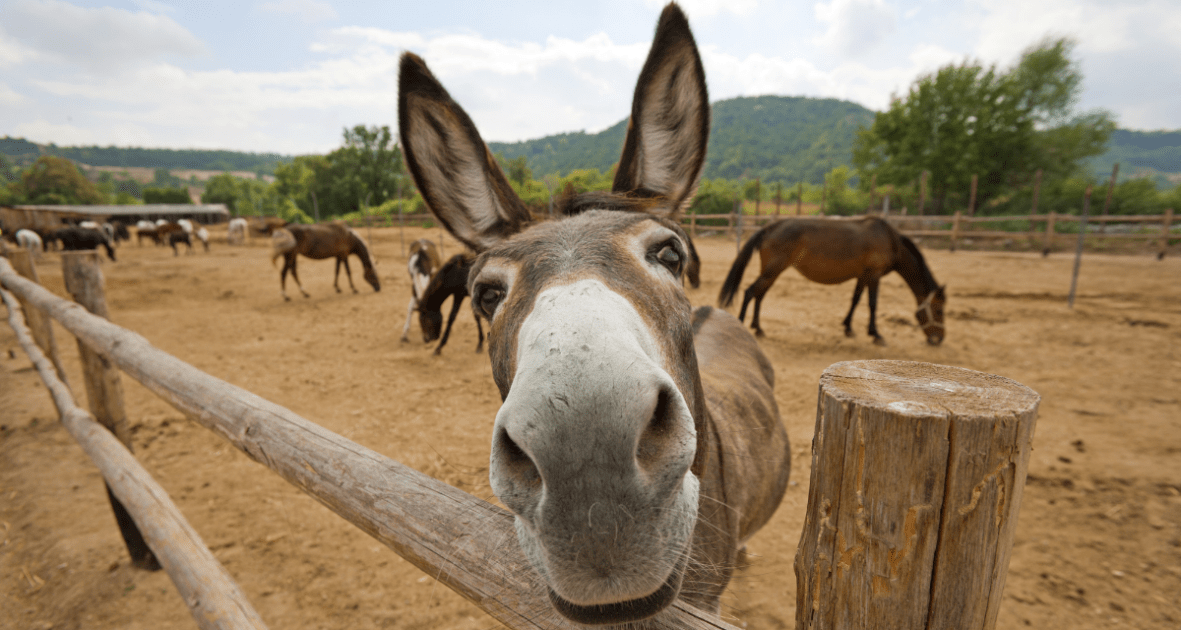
1102	523
17	217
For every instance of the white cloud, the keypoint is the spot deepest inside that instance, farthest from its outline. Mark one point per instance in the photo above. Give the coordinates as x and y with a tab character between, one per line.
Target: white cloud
100	38
13	52
41	130
10	97
697	9
309	11
855	26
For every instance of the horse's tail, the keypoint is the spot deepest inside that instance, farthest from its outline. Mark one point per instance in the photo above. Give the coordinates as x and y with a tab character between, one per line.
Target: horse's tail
282	241
730	287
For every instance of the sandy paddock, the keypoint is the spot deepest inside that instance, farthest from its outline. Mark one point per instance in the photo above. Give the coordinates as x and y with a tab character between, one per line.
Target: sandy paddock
1098	542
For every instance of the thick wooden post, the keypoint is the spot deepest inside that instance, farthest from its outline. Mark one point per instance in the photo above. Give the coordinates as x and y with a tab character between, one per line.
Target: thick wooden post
1164	237
104	389
917	476
955	230
972	197
1049	241
39	323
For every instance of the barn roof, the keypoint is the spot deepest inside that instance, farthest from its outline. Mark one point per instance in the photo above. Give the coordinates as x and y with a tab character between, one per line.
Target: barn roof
145	209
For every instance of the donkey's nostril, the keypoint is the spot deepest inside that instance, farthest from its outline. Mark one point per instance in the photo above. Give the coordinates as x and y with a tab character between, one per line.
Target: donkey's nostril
516	463
659	433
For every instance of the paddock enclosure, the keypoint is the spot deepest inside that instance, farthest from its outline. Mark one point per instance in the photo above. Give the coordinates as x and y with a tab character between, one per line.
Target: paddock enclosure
1098	540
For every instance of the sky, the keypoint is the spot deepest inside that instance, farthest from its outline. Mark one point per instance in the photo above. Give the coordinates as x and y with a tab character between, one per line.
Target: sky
287	76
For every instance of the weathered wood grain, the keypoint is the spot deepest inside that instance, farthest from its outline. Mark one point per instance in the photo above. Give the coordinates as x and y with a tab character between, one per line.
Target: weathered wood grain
82	273
39	323
467	544
214	599
917	476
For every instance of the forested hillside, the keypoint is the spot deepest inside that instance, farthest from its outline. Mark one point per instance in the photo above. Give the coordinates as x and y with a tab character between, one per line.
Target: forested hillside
770	137
1156	154
200	159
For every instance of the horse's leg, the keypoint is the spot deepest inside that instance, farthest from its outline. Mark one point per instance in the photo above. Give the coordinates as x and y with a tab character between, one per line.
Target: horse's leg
409	314
291	258
852	307
349	272
480	332
456	301
336	277
283	280
756	291
873	313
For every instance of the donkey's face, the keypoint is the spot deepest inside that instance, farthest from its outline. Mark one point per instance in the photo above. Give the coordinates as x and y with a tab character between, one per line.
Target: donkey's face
591	340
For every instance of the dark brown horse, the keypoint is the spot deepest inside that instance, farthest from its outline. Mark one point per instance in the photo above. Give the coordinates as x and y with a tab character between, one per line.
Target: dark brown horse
326	240
422	265
639	444
450	281
832	250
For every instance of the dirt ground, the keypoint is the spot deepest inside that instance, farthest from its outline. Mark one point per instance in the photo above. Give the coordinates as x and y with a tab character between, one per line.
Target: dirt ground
1098	541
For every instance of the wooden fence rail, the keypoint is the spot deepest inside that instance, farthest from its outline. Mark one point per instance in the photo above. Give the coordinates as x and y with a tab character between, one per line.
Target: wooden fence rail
465	543
214	599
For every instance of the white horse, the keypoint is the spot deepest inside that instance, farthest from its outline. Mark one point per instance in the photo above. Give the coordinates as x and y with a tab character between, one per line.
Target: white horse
203	236
236	232
639	444
29	240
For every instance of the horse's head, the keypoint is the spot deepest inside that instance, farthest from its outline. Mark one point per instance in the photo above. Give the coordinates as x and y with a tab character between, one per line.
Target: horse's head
591	338
431	323
371	278
930	315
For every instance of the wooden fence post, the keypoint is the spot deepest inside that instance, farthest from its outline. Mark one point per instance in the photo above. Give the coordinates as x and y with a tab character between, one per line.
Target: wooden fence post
955	231
40	323
1107	202
1049	240
1164	238
823	197
922	192
693	226
917	476
104	389
737	224
1078	250
800	199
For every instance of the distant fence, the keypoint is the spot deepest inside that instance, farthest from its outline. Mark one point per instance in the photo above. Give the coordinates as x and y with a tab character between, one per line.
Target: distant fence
1043	229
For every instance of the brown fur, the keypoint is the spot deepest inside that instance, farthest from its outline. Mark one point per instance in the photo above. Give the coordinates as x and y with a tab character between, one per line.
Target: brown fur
832	250
328	240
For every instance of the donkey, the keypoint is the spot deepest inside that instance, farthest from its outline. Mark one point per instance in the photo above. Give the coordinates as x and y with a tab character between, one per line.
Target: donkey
327	240
424	261
832	250
449	282
639	444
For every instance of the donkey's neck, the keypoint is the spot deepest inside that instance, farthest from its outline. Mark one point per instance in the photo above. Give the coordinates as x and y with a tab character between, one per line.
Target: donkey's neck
914	271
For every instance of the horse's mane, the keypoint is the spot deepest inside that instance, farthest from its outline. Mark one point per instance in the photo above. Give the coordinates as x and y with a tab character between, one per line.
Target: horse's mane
924	270
360	246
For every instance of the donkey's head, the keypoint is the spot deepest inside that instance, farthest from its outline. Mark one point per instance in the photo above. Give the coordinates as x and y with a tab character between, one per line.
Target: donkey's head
591	340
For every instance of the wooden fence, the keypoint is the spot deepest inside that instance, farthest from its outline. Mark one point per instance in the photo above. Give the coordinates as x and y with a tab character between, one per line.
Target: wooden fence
1040	227
927	543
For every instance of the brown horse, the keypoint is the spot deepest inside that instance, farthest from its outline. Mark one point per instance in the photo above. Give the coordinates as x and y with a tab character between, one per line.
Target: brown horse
450	281
831	250
424	262
327	240
639	444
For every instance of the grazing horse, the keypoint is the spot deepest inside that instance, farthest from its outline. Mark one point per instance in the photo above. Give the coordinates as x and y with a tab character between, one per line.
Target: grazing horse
76	238
328	240
449	282
180	237
639	444
236	232
831	250
424	261
121	233
203	236
29	240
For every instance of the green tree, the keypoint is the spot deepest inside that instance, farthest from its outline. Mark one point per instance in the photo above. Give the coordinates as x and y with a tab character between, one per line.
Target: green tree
55	180
167	195
222	188
967	120
364	172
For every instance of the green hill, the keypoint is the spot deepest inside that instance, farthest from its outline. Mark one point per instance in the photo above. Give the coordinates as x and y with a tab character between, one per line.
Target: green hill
772	137
21	151
1154	154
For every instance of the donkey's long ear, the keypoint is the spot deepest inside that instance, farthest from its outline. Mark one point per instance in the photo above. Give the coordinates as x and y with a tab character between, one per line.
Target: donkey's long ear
453	168
669	127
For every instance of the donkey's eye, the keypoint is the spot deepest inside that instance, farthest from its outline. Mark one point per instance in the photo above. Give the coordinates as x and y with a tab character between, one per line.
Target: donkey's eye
668	255
487	299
